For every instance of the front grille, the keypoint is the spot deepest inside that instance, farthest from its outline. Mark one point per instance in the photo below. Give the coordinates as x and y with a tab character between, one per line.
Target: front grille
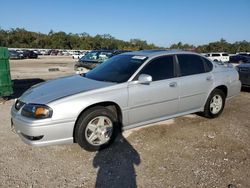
19	104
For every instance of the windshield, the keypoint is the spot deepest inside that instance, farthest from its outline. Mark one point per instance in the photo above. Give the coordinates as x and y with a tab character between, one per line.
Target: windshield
116	69
97	56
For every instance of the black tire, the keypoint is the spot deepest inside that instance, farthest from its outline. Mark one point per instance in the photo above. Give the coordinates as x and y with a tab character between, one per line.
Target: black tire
85	118
207	110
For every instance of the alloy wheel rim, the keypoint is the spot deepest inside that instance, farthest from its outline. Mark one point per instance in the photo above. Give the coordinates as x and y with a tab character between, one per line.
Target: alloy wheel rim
216	104
99	130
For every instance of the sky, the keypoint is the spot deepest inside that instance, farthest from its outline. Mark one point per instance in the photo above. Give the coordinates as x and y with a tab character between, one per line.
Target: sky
162	22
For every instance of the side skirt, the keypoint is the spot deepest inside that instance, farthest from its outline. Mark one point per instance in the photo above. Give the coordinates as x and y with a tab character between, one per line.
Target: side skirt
160	119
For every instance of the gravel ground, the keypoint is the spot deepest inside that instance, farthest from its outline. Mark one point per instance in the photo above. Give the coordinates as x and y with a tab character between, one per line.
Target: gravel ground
189	151
39	68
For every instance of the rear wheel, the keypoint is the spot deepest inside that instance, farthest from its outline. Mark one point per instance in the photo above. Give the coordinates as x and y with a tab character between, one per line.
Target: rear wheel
96	128
215	104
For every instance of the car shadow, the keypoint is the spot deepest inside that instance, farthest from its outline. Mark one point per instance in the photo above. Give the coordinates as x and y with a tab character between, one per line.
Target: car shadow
245	89
116	165
21	85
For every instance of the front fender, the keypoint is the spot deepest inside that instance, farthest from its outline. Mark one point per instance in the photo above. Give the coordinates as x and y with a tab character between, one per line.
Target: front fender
71	107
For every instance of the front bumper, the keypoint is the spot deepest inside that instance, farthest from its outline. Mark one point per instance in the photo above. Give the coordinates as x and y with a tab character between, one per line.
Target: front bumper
42	132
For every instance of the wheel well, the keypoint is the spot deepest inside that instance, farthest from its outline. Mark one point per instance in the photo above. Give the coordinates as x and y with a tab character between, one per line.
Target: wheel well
110	105
223	88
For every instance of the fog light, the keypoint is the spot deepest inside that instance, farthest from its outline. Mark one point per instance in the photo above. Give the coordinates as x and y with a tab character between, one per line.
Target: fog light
32	138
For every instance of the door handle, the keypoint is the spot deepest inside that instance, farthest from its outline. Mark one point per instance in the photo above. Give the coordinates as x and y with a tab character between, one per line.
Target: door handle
173	84
209	78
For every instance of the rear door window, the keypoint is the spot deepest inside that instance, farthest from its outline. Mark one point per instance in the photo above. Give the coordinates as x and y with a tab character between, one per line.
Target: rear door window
190	64
208	65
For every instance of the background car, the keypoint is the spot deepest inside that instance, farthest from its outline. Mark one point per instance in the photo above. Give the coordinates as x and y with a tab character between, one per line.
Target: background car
220	56
116	52
78	55
15	55
29	54
244	73
238	59
93	58
53	52
44	52
38	52
244	53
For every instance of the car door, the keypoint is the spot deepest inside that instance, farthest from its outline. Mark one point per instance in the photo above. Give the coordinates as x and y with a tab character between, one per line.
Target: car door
196	81
157	99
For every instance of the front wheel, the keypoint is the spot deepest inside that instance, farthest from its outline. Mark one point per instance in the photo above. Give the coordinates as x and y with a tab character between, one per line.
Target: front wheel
96	128
215	104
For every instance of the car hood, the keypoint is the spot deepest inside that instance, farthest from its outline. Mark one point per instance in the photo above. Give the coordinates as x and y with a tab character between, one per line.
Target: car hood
46	92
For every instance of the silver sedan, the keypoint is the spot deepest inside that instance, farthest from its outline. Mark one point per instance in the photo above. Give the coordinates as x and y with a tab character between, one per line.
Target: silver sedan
126	91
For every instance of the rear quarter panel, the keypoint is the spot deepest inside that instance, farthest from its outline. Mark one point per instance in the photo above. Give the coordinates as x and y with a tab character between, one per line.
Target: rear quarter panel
229	77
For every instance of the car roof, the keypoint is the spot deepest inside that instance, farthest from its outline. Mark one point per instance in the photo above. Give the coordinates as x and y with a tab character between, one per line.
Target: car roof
153	53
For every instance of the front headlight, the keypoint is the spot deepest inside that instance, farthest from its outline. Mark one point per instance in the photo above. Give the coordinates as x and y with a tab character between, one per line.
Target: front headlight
37	111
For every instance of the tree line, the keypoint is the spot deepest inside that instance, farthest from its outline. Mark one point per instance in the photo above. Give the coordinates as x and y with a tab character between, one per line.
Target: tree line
21	38
218	46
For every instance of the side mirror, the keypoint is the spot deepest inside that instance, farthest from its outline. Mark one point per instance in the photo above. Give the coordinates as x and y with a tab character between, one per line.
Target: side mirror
144	79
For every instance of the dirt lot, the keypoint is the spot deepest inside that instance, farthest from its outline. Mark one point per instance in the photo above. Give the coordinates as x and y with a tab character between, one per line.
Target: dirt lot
189	151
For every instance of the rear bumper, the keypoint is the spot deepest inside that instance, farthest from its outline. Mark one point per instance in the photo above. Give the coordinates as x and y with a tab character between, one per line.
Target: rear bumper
42	132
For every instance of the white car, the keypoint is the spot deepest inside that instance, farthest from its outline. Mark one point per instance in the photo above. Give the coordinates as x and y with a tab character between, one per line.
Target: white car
78	55
220	56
